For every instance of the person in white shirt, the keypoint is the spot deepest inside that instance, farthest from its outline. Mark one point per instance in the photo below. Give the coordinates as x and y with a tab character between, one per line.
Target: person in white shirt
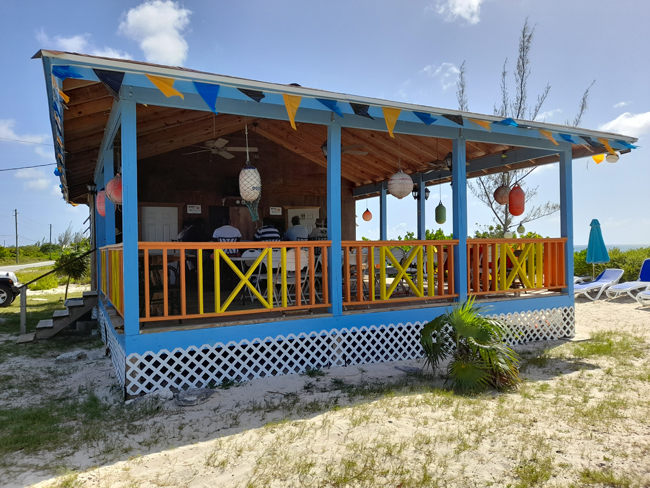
319	231
226	231
297	232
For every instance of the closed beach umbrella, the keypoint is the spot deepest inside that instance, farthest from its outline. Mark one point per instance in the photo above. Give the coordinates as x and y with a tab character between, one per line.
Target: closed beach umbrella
596	250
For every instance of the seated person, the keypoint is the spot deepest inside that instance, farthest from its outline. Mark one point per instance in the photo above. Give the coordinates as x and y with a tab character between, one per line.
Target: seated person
297	232
226	231
192	231
267	232
319	231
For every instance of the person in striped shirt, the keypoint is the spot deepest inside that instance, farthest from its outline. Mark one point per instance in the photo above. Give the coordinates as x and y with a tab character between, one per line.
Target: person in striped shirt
267	232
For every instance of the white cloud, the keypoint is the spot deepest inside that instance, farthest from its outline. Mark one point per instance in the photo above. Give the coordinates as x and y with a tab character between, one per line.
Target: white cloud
47	153
157	25
56	190
37	180
629	124
447	73
621	104
401	93
548	114
39	184
79	43
8	135
469	10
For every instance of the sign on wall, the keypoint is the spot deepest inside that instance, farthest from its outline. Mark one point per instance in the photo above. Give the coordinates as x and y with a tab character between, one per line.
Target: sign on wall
275	210
194	209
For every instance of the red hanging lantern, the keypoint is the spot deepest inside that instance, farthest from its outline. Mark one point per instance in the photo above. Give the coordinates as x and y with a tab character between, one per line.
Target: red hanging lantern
114	190
501	194
516	200
100	203
367	216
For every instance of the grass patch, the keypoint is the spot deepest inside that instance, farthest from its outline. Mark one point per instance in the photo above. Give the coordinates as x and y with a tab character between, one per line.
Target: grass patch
604	477
612	344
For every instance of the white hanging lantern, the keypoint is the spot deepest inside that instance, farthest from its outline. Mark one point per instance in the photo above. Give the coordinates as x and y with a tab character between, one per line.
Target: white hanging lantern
400	185
501	194
250	183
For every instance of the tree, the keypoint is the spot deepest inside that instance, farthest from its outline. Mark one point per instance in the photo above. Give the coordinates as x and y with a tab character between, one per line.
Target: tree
73	266
483	188
65	238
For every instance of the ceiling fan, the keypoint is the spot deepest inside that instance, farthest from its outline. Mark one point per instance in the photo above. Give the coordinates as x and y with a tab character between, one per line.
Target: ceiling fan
349	149
219	147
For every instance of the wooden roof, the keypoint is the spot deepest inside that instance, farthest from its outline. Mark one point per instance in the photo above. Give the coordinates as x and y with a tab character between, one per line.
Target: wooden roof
162	129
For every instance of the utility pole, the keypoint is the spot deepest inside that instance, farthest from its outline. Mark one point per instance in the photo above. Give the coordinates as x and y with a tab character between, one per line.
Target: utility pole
50	242
16	217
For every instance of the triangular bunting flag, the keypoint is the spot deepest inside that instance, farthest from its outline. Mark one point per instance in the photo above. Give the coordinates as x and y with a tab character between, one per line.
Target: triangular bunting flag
65	97
549	135
292	102
112	80
361	110
591	142
331	104
425	117
390	116
605	143
252	94
209	94
508	121
568	138
483	123
165	85
627	144
456	119
63	72
599	158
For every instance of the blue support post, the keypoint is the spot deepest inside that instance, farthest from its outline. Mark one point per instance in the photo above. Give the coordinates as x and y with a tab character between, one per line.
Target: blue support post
109	220
383	218
459	183
422	226
100	228
334	263
130	219
566	214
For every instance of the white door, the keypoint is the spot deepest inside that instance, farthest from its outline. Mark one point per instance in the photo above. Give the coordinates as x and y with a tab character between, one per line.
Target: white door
159	224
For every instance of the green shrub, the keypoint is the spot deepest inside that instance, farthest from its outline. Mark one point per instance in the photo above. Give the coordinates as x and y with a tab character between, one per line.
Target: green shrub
629	261
46	283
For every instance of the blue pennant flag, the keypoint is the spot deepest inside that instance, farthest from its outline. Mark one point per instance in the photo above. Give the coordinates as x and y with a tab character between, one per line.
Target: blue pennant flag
331	104
509	121
209	94
568	138
425	117
627	144
64	72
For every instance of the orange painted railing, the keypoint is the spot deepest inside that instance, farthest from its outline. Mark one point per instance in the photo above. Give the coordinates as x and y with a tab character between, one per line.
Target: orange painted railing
515	265
189	280
111	282
379	271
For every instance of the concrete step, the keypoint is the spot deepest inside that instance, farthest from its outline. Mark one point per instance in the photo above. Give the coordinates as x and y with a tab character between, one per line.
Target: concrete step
92	293
60	314
45	324
24	338
74	302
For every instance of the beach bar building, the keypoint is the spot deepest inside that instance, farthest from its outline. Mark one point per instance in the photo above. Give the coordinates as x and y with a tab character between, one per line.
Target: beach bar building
156	150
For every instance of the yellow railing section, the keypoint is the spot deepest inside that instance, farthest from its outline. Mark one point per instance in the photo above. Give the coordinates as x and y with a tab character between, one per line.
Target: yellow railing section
375	271
231	278
112	277
513	265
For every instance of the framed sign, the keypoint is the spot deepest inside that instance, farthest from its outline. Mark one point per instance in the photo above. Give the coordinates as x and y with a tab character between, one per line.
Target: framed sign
275	210
194	209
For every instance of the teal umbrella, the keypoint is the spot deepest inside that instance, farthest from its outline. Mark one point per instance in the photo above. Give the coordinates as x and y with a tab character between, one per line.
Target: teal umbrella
596	250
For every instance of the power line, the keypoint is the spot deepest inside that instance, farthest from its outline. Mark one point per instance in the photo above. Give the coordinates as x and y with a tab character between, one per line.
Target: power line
26	167
25	142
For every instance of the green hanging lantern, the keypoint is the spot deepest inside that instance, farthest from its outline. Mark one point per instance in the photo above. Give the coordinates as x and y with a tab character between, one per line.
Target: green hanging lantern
521	229
441	214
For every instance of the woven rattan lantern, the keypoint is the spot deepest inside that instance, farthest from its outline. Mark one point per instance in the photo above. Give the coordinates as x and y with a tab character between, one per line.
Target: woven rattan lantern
100	203
516	201
114	190
400	185
501	194
250	183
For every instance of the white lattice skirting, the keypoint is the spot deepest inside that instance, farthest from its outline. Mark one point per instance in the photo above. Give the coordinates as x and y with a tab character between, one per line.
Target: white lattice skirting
239	361
118	357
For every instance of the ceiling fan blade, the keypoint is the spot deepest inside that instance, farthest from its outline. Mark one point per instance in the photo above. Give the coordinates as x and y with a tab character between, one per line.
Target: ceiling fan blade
360	153
219	143
195	152
225	154
240	149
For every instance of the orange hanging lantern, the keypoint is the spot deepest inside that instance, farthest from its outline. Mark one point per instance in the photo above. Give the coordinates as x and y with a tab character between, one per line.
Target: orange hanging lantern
100	203
367	215
114	190
501	194
516	200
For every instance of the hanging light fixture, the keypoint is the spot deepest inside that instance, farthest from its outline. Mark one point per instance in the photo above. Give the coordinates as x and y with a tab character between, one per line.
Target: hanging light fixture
441	211
367	215
100	203
250	181
114	189
400	184
416	192
611	158
501	195
449	160
521	229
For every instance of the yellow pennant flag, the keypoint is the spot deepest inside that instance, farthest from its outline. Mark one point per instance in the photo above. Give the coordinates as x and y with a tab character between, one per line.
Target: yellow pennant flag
390	116
605	143
292	102
483	123
598	158
549	136
65	97
165	85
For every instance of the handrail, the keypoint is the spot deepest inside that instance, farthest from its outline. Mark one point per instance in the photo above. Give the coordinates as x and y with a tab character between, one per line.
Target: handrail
231	245
57	269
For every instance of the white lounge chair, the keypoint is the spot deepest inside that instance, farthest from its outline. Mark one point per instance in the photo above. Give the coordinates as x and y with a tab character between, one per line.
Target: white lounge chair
604	280
643	297
631	286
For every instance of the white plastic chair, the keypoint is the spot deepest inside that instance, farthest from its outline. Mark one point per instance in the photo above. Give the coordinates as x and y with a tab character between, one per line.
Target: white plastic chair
607	278
631	286
643	297
292	282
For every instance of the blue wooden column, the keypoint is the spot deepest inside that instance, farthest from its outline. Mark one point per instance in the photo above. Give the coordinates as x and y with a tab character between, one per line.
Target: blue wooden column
566	214
109	220
421	202
130	219
459	175
100	228
383	218
334	263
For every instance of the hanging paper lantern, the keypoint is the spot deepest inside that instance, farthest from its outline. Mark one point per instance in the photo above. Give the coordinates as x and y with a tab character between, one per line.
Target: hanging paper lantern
521	229
367	215
441	214
501	194
611	158
100	203
400	185
516	200
508	235
114	190
250	183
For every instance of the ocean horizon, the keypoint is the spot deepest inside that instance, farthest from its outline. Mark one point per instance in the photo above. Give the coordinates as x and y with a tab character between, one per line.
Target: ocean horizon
622	247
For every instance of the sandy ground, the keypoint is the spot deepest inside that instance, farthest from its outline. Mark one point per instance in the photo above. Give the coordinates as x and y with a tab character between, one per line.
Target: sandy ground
233	441
59	290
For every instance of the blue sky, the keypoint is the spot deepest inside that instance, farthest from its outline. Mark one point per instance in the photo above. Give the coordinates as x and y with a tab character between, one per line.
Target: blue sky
405	51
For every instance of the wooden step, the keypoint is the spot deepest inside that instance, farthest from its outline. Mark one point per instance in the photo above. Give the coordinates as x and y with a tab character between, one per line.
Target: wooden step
60	314
74	302
45	324
92	293
24	338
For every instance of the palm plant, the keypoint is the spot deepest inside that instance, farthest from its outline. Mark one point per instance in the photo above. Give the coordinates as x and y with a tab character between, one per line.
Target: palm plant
74	265
480	358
